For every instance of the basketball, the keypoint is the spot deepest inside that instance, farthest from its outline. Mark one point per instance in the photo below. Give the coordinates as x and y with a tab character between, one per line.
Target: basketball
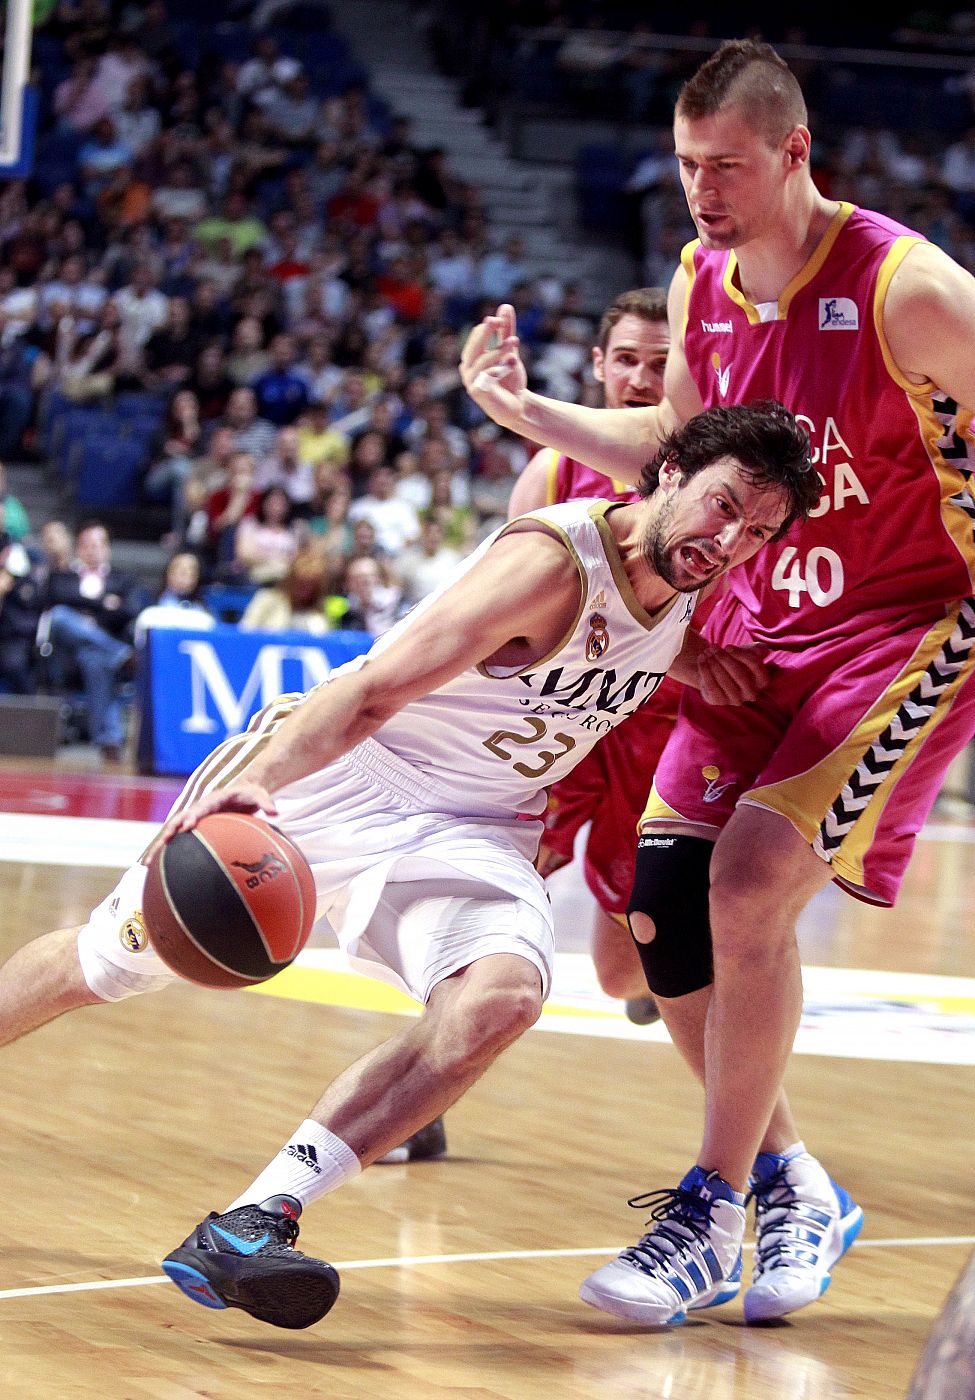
229	903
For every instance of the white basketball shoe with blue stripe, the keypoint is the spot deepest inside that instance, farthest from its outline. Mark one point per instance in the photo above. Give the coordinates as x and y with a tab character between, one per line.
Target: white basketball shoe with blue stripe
691	1257
804	1223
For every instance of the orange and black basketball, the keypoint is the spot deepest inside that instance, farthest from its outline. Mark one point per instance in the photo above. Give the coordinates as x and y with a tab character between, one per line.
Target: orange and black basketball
230	902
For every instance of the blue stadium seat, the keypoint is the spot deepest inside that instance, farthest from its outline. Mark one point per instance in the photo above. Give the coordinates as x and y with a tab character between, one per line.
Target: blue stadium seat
107	471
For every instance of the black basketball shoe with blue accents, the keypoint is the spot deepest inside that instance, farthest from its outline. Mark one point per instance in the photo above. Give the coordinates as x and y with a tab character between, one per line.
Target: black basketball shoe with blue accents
246	1259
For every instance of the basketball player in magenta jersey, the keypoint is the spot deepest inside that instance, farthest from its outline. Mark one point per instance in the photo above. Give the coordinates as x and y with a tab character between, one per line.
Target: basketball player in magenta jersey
865	614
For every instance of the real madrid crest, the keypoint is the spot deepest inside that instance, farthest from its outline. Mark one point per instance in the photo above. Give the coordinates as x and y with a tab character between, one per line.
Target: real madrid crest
597	643
132	935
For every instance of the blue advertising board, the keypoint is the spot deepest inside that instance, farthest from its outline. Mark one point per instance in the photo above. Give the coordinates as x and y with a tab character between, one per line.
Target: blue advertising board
197	688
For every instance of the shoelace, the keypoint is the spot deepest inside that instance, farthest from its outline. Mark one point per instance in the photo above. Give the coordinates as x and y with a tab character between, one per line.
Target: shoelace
688	1217
774	1245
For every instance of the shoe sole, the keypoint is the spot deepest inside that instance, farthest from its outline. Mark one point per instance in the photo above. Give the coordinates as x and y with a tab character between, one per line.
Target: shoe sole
630	1309
768	1310
293	1296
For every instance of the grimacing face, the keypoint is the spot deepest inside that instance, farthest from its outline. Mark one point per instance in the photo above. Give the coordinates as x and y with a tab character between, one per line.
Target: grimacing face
707	523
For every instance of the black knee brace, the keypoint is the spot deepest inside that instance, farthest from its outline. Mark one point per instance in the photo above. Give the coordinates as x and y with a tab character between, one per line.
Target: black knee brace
671	885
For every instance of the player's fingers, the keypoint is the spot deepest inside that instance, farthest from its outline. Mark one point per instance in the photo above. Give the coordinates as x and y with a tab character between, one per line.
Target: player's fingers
735	679
506	320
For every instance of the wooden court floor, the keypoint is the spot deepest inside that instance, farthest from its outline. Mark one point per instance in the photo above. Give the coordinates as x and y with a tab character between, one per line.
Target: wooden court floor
123	1125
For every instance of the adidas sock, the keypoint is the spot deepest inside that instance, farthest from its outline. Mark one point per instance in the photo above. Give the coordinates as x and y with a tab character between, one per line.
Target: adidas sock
311	1163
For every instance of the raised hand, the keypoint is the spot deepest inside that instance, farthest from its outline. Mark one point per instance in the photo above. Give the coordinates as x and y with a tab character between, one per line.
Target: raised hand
492	370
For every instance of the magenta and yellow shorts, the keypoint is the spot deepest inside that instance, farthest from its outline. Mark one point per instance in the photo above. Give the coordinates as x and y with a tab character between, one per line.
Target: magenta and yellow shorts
850	742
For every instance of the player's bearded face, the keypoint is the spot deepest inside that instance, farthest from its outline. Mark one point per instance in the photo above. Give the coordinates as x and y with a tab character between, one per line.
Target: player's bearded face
683	560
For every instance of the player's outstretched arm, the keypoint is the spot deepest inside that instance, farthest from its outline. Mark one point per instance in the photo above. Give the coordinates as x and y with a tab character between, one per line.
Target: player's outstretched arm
531	490
526	587
618	441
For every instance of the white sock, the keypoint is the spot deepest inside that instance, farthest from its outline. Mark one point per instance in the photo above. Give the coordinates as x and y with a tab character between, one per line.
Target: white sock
311	1163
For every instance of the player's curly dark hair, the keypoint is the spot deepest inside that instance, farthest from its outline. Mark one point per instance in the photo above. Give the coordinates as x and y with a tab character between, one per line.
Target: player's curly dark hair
763	436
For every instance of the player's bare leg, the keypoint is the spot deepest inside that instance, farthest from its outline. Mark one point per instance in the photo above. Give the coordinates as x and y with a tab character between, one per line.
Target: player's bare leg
245	1256
618	967
41	981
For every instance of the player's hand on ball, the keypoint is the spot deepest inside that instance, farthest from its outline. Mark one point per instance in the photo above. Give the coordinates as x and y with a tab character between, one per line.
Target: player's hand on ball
731	675
492	369
240	797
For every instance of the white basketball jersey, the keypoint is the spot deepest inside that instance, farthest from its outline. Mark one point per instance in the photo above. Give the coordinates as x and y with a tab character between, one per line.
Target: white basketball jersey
494	741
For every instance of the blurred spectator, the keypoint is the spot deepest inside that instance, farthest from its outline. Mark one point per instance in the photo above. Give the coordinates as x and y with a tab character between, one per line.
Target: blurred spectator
493	483
328	521
298	603
208	472
142	307
237	222
20	611
101	158
212	385
182	443
179	603
78	101
248	357
137	122
501	271
281	393
180	195
267	541
251	433
225	507
317	442
91	607
285	468
456	521
172	350
374	596
73	292
423	566
395	521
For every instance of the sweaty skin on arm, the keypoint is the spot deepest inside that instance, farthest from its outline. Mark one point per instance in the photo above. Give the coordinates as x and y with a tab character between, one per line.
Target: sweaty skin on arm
617	441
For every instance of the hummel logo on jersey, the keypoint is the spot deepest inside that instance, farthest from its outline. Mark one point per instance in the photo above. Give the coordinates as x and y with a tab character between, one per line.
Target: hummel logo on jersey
714	788
717	327
304	1152
722	374
838	314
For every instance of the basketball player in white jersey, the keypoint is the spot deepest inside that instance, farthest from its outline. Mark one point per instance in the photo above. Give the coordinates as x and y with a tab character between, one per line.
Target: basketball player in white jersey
413	782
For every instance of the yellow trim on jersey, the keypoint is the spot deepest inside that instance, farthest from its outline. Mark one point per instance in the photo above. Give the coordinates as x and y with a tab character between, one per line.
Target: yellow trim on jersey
956	522
805	274
597	513
552	477
805	799
560	534
687	262
657	810
895	255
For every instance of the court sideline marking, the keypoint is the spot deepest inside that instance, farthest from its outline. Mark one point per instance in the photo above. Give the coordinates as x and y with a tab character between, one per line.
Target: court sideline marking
487	1257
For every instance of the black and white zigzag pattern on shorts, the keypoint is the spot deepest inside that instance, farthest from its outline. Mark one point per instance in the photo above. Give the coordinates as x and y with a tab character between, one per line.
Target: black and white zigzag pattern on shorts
959	450
913	714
